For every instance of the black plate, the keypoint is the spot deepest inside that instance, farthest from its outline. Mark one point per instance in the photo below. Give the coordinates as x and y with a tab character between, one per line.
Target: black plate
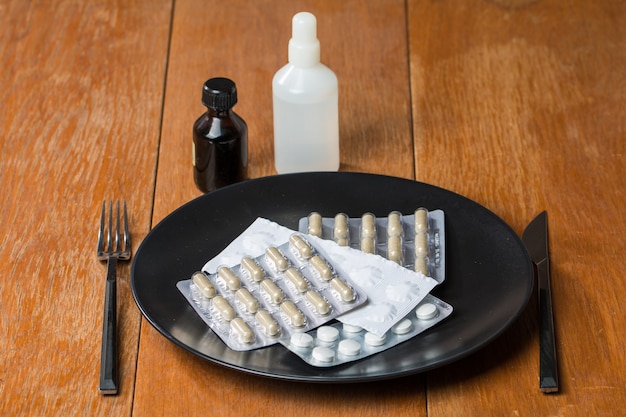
489	274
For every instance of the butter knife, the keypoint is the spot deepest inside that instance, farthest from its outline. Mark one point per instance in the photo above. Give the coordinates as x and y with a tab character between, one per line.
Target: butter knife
535	237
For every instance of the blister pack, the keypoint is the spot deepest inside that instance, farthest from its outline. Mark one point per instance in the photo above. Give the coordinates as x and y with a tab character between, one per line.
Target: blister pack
415	241
336	343
290	288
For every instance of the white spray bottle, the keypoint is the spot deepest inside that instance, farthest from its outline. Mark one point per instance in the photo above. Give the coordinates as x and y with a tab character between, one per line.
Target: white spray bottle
306	108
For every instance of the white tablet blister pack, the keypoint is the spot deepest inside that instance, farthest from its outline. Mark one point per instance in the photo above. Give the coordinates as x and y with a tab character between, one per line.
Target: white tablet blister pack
290	288
336	343
415	241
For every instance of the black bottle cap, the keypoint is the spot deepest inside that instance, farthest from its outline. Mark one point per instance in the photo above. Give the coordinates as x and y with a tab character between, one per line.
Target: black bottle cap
219	93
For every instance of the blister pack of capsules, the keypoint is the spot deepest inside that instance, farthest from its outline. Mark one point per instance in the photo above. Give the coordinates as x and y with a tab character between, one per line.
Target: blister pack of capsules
338	343
415	241
289	288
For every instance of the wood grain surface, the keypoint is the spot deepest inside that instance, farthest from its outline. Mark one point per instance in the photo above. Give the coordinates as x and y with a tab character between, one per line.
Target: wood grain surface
519	105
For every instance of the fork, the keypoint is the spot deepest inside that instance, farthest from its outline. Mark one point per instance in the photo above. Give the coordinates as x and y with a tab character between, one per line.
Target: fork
113	245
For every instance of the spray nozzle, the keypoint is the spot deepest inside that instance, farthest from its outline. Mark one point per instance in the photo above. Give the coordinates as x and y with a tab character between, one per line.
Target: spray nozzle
304	47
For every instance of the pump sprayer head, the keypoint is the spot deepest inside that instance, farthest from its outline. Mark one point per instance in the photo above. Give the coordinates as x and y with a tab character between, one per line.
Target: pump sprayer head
304	47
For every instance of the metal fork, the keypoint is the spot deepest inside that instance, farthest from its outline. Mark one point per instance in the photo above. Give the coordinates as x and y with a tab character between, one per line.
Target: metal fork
113	245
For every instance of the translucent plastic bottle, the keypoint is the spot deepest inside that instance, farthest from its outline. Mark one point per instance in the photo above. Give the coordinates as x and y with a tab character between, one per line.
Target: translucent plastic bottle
220	138
306	114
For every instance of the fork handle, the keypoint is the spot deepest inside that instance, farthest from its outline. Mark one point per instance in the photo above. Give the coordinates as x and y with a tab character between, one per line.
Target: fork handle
108	355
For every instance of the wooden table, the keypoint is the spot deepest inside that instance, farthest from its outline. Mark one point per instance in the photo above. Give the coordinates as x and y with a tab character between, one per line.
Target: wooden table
517	104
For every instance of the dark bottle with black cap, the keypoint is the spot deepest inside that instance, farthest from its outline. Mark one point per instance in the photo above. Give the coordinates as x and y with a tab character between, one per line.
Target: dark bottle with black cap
220	138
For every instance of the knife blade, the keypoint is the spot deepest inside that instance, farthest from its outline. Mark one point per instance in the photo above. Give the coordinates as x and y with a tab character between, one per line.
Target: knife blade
535	237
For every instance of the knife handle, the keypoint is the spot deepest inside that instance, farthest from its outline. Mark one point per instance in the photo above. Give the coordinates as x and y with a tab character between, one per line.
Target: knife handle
548	371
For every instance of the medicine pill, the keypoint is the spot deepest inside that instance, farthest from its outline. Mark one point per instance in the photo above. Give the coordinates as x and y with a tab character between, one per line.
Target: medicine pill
296	317
267	322
427	311
224	308
296	278
323	354
421	220
321	267
320	305
232	281
250	303
302	246
374	340
368	245
277	258
368	226
315	224
349	347
340	229
254	271
327	334
204	286
404	327
421	244
351	328
243	331
301	340
272	290
421	265
394	249
394	224
342	242
345	292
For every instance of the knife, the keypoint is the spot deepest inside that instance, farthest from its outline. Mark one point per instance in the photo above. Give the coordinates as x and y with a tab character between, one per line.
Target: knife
535	237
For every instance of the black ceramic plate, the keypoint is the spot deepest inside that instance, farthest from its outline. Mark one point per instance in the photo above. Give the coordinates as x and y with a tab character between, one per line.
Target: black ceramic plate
488	272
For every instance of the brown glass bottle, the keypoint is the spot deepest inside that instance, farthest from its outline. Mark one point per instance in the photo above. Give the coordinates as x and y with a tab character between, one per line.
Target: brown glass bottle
220	138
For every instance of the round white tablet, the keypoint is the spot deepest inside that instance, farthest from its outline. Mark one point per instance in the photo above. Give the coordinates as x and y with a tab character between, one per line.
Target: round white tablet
403	327
350	328
427	311
349	347
302	340
373	340
327	334
323	354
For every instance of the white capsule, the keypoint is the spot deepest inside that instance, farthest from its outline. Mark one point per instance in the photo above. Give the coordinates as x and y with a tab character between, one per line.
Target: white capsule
302	246
345	292
276	258
230	278
327	334
272	290
349	347
270	326
427	311
224	308
323	354
315	224
320	305
204	286
242	330
421	220
296	278
249	302
321	267
254	271
394	224
295	316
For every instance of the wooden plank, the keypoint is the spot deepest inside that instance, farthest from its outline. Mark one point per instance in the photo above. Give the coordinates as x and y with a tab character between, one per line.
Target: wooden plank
80	105
520	106
365	44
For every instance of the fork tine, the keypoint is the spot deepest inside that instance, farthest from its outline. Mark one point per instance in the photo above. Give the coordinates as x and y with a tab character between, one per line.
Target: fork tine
126	230
118	234
109	244
101	231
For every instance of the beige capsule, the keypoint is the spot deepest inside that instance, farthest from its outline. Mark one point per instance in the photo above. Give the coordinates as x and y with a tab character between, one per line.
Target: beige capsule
272	290
204	286
277	258
394	249
230	278
340	228
315	224
421	244
242	330
265	319
368	245
295	277
301	246
421	220
321	267
345	292
249	302
223	307
320	305
421	265
254	270
394	224
368	226
296	317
